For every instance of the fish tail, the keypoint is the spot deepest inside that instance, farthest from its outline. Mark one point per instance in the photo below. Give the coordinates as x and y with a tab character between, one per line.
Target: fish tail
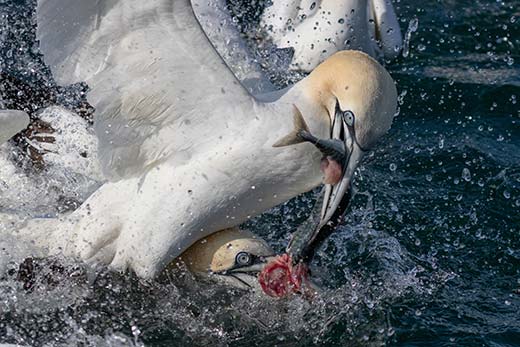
299	134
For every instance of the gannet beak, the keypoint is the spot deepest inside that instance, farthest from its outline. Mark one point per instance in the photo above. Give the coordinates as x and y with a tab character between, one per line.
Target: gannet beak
245	276
337	196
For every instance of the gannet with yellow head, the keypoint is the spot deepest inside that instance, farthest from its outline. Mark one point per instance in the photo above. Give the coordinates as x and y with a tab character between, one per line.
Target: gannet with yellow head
188	152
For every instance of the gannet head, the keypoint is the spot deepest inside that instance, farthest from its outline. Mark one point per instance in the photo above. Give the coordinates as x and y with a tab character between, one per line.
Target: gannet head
232	256
358	98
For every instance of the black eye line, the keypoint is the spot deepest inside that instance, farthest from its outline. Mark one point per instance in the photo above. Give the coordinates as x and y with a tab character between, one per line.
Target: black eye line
351	128
349	112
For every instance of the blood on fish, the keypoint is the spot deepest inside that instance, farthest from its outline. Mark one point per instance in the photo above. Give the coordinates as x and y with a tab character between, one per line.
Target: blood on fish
281	278
332	170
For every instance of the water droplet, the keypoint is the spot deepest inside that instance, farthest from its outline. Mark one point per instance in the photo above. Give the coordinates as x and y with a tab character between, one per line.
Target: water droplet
341	21
421	47
253	187
135	331
393	167
507	302
466	174
507	194
429	178
412	27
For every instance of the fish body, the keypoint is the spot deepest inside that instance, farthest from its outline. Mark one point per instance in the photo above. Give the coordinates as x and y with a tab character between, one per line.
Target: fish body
333	149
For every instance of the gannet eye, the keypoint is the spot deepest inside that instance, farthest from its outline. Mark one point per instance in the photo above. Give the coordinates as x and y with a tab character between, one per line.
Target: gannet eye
243	259
348	117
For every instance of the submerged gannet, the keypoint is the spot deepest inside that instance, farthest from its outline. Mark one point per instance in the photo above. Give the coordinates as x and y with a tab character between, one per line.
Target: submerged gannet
318	29
187	151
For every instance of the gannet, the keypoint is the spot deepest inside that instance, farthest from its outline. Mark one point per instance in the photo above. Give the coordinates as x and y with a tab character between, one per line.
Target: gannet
187	152
318	29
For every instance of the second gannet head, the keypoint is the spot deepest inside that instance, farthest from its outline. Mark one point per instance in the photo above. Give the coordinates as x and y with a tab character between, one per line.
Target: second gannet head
357	97
232	256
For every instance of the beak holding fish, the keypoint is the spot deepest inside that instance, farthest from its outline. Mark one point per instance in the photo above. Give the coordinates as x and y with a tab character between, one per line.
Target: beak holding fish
289	273
355	99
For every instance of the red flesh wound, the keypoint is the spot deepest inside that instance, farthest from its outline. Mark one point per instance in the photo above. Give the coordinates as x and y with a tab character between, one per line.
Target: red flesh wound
332	171
280	278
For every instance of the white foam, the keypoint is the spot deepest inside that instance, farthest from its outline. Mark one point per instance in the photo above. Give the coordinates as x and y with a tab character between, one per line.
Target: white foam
71	169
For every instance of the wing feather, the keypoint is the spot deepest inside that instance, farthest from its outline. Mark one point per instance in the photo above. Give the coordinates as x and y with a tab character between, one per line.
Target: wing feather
150	68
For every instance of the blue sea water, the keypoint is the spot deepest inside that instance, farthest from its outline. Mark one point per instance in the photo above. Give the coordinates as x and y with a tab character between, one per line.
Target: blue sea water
429	254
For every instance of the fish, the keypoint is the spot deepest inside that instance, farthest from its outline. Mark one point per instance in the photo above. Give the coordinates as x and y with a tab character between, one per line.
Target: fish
333	149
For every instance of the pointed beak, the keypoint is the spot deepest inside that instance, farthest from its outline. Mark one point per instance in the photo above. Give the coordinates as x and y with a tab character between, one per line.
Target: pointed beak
245	277
337	197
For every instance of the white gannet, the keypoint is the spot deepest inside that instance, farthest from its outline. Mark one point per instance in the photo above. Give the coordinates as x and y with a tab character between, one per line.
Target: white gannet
187	151
316	29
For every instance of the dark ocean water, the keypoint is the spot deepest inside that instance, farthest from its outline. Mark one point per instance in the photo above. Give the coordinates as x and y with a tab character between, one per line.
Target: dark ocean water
429	254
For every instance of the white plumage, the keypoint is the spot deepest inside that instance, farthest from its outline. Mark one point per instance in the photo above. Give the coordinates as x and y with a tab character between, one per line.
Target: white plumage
318	29
186	149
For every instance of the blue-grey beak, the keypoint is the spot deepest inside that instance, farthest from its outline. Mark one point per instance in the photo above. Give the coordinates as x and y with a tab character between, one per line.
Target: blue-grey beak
335	198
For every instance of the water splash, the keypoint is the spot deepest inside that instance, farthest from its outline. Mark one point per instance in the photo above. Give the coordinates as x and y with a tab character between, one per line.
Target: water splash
412	27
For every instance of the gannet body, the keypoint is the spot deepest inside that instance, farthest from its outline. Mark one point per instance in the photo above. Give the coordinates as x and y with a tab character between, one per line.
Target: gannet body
318	29
187	151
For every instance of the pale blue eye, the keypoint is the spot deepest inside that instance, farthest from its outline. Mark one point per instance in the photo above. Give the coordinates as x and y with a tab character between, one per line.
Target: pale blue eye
243	258
348	117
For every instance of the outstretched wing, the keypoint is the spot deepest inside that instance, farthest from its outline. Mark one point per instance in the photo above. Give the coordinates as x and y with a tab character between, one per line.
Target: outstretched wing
218	24
151	70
